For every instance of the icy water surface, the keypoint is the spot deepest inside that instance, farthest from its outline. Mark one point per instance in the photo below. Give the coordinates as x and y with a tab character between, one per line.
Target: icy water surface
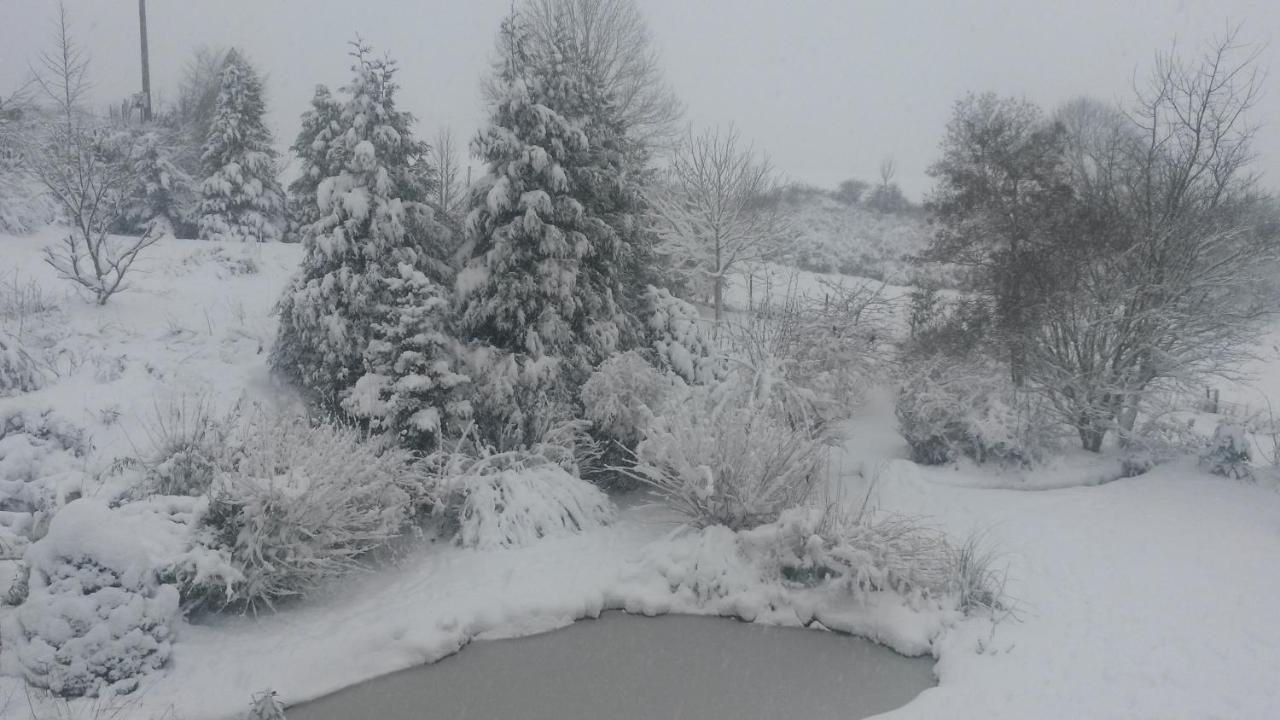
626	667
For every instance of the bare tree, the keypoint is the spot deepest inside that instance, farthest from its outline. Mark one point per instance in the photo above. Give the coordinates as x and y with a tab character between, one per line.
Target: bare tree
614	45
451	188
86	170
1173	245
712	216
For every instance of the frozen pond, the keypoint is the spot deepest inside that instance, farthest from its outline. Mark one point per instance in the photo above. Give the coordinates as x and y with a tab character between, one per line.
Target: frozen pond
623	666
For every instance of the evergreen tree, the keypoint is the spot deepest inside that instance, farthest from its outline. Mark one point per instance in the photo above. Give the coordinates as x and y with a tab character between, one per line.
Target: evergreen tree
541	278
363	324
240	197
162	199
313	147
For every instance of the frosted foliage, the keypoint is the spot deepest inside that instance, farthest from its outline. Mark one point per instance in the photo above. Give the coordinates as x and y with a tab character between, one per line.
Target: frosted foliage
516	499
240	198
541	277
162	199
720	458
1228	452
411	386
624	394
302	504
95	615
676	332
41	465
362	324
951	410
18	371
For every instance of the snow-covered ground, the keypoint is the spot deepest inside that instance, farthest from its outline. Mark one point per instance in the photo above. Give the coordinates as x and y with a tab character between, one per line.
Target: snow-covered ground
1145	597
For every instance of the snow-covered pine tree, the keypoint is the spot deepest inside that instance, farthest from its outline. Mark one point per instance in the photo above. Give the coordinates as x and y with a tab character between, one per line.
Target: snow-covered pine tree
240	196
363	324
541	275
313	147
163	198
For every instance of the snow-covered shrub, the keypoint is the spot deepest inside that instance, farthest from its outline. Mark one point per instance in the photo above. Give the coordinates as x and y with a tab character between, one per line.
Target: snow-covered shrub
95	617
265	706
812	354
18	371
675	330
515	399
514	498
23	208
1163	437
301	503
859	553
966	408
624	394
188	444
41	468
721	457
1228	452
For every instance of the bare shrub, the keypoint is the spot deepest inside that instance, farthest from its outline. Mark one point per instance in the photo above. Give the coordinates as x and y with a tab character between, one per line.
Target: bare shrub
83	167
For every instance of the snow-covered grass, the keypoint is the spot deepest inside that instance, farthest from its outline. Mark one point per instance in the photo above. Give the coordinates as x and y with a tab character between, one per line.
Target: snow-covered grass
1143	597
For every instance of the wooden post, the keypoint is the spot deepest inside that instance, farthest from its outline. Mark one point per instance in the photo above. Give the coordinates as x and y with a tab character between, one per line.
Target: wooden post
146	63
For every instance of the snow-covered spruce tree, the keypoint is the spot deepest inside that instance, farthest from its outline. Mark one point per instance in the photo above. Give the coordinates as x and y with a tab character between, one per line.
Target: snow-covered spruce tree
313	146
541	277
162	199
362	325
240	196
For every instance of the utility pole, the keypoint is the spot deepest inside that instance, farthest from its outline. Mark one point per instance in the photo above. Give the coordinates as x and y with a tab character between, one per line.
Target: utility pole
146	64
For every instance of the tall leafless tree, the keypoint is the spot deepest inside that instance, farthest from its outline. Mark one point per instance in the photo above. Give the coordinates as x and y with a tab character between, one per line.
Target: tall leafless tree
712	215
613	44
1173	244
450	194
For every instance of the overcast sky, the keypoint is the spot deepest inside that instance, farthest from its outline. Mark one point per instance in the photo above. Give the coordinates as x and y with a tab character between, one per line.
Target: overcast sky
827	88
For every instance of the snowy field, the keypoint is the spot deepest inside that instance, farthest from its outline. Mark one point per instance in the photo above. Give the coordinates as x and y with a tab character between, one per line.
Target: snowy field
1130	598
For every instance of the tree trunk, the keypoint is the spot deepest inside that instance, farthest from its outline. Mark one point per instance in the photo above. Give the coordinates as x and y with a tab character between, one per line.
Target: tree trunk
1091	436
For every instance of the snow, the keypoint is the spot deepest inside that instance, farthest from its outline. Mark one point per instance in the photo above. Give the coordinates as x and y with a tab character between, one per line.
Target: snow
1145	597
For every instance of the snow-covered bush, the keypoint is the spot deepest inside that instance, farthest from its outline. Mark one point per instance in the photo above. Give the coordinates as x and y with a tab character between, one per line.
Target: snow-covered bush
1162	437
812	354
95	617
301	503
858	553
18	371
1228	452
951	409
721	457
41	468
265	706
515	498
676	332
188	444
624	394
515	399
